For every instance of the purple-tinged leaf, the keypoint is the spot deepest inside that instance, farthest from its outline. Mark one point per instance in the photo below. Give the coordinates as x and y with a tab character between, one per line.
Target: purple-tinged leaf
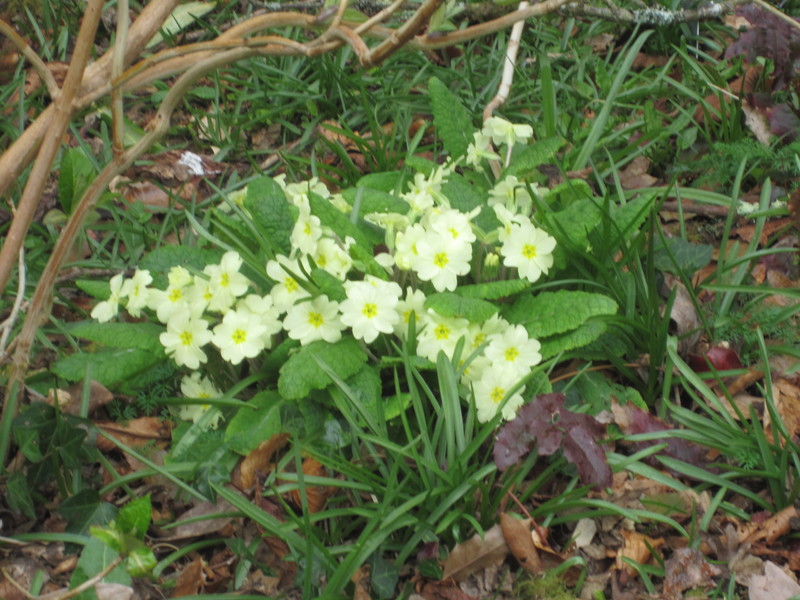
547	424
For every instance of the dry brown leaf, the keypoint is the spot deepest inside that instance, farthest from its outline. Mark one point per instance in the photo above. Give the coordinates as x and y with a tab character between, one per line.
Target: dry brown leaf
258	463
197	525
190	580
787	403
770	529
444	590
69	400
476	553
636	547
687	569
113	591
316	495
775	583
635	176
361	580
135	433
517	534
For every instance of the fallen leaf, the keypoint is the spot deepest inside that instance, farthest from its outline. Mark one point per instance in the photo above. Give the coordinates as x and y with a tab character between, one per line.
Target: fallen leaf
198	525
635	176
316	495
476	553
774	584
361	580
135	433
687	569
258	463
771	529
636	547
584	532
517	534
113	591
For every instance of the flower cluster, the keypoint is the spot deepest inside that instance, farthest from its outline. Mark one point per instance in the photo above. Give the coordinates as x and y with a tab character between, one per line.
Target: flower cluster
433	241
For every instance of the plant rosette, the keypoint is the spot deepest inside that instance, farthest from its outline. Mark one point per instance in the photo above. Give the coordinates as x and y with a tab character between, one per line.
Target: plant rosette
337	278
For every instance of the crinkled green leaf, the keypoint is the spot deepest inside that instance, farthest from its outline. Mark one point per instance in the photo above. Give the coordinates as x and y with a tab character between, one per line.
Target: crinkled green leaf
575	223
255	423
272	213
375	201
583	335
384	181
452	120
537	153
331	217
143	336
162	259
100	290
109	367
630	216
301	373
493	290
549	313
449	304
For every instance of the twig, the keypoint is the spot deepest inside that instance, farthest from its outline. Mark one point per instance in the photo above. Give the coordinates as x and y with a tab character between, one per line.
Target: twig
509	64
7	325
650	15
37	63
379	17
117	65
40	172
404	34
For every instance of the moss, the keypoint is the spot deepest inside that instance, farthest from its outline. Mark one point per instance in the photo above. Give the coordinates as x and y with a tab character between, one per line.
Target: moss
545	587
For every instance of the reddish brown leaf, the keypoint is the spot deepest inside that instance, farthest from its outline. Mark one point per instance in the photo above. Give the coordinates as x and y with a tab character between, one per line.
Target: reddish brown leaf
258	463
135	433
687	569
316	495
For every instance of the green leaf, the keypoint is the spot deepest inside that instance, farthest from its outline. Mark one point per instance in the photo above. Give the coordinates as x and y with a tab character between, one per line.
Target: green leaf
331	217
452	120
95	557
141	562
550	313
493	290
688	257
629	217
366	387
449	304
464	196
134	517
109	367
385	181
272	213
524	163
375	201
18	495
181	18
576	222
301	373
162	259
143	336
249	427
76	173
85	509
110	536
328	284
583	335
100	290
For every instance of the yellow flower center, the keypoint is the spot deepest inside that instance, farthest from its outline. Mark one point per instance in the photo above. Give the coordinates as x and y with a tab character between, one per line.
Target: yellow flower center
454	232
186	338
369	310
291	284
239	336
322	261
175	294
497	395
307	229
529	251
511	354
315	319
441	260
442	332
224	280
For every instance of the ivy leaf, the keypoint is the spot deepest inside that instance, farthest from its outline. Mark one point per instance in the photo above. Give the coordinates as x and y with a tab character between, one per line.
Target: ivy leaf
449	304
452	120
547	424
271	212
688	257
301	373
550	313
